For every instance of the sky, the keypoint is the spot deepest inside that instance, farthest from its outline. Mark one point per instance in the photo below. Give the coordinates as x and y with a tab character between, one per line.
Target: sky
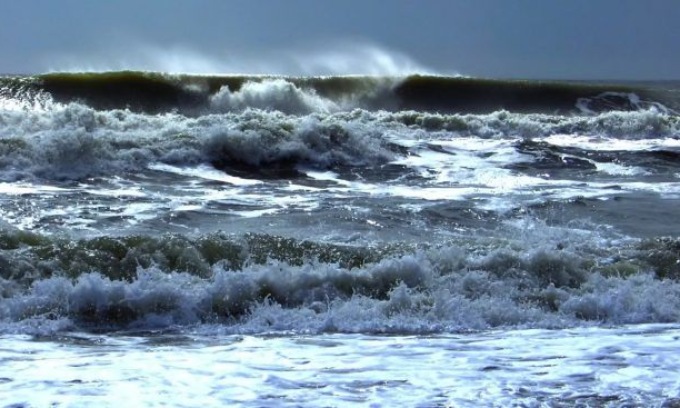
542	39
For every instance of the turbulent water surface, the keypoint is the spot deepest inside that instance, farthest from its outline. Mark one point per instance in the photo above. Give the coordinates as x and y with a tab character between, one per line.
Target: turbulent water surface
325	241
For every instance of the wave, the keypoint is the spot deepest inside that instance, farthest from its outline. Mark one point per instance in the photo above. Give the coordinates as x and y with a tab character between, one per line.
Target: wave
73	141
76	142
153	92
264	283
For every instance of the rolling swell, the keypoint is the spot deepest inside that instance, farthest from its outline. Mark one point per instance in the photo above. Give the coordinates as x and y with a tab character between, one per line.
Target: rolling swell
151	92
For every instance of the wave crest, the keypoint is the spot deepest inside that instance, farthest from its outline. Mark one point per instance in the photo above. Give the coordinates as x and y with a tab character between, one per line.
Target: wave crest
305	286
274	94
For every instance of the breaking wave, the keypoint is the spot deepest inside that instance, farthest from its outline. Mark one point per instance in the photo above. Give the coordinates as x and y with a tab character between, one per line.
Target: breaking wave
154	92
73	141
263	283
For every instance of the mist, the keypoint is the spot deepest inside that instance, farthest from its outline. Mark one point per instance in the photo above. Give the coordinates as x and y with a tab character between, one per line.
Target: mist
340	58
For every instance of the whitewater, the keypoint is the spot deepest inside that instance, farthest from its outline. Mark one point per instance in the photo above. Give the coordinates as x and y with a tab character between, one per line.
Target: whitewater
183	240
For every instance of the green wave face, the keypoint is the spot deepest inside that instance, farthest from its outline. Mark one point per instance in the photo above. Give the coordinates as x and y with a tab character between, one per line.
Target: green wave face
154	92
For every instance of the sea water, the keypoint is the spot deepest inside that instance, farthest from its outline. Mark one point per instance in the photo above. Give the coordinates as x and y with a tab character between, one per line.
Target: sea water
177	240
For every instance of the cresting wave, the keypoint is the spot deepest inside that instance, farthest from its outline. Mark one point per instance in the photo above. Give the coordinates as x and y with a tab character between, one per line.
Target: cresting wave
261	283
153	92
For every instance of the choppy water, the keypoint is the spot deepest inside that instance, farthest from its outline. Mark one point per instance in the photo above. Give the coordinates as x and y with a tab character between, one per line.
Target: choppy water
419	241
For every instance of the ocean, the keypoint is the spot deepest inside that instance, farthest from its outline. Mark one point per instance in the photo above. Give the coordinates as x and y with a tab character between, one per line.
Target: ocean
268	241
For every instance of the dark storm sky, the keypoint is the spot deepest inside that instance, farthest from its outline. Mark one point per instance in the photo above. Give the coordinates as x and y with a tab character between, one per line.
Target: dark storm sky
579	39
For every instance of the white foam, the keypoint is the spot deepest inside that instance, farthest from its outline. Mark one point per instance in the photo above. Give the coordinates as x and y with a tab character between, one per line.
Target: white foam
500	189
620	170
256	213
604	143
271	94
204	172
333	149
423	293
587	366
24	189
328	176
634	102
130	192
